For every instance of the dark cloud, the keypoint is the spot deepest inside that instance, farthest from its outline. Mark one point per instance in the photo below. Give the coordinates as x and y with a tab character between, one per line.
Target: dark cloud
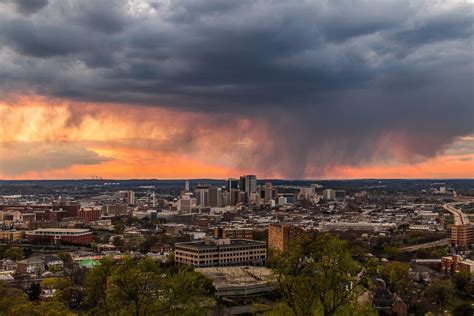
330	80
23	157
27	7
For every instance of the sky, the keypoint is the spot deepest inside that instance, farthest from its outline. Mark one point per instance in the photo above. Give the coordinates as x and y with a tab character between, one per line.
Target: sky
173	89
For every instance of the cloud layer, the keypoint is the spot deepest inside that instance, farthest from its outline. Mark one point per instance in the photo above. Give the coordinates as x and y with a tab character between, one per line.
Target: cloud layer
301	87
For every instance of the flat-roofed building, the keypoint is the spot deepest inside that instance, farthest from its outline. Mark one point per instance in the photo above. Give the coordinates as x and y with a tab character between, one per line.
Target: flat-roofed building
221	252
11	235
461	235
56	235
233	232
456	264
279	236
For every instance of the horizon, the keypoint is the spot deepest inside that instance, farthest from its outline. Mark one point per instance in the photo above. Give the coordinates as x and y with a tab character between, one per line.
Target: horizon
258	179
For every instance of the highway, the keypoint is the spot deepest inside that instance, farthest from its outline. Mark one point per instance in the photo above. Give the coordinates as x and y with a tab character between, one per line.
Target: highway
459	217
441	242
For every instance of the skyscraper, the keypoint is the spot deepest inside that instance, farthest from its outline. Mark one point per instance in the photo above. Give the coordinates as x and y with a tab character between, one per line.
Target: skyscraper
232	183
215	197
130	197
202	195
268	192
186	185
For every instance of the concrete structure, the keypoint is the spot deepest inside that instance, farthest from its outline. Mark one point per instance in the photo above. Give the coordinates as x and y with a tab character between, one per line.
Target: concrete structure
221	252
240	281
55	235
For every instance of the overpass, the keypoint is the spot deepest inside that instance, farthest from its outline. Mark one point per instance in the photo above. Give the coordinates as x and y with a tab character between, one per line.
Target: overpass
459	217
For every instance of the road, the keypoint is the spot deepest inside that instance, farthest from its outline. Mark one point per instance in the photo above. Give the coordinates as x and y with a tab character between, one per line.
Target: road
437	243
459	217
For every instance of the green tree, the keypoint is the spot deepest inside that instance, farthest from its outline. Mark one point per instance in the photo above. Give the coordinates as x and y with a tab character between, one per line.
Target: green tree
396	274
441	292
317	274
463	309
10	297
14	253
34	291
138	287
462	282
46	308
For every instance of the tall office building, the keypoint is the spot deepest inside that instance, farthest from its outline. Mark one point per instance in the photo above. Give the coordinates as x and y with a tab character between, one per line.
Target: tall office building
329	194
340	195
215	197
186	185
269	192
234	196
248	184
232	184
130	198
202	195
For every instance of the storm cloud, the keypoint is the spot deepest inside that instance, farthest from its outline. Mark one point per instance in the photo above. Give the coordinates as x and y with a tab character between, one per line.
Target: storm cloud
329	82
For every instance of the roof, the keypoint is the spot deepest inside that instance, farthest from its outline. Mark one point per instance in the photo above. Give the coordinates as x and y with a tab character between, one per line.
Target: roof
69	230
89	263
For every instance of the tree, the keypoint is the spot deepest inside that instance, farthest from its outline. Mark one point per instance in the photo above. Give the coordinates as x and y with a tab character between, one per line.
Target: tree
10	297
441	292
119	227
463	309
462	282
14	253
49	308
34	291
396	274
316	274
137	287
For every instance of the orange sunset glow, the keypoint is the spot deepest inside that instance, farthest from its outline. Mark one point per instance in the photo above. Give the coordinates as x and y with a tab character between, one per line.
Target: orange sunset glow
120	142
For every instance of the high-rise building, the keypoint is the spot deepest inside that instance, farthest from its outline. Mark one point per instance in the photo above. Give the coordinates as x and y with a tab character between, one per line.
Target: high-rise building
234	196
461	235
186	185
340	195
248	184
202	195
329	194
130	198
232	183
307	192
268	192
215	197
280	236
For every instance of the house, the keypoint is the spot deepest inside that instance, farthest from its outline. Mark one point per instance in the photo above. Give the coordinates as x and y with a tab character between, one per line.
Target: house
32	265
53	263
386	303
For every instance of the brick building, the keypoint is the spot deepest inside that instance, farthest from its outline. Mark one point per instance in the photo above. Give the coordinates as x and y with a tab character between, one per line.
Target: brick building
49	236
461	235
280	235
456	264
90	214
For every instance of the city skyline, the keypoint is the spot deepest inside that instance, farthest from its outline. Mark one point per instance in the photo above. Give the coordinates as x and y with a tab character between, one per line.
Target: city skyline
204	89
